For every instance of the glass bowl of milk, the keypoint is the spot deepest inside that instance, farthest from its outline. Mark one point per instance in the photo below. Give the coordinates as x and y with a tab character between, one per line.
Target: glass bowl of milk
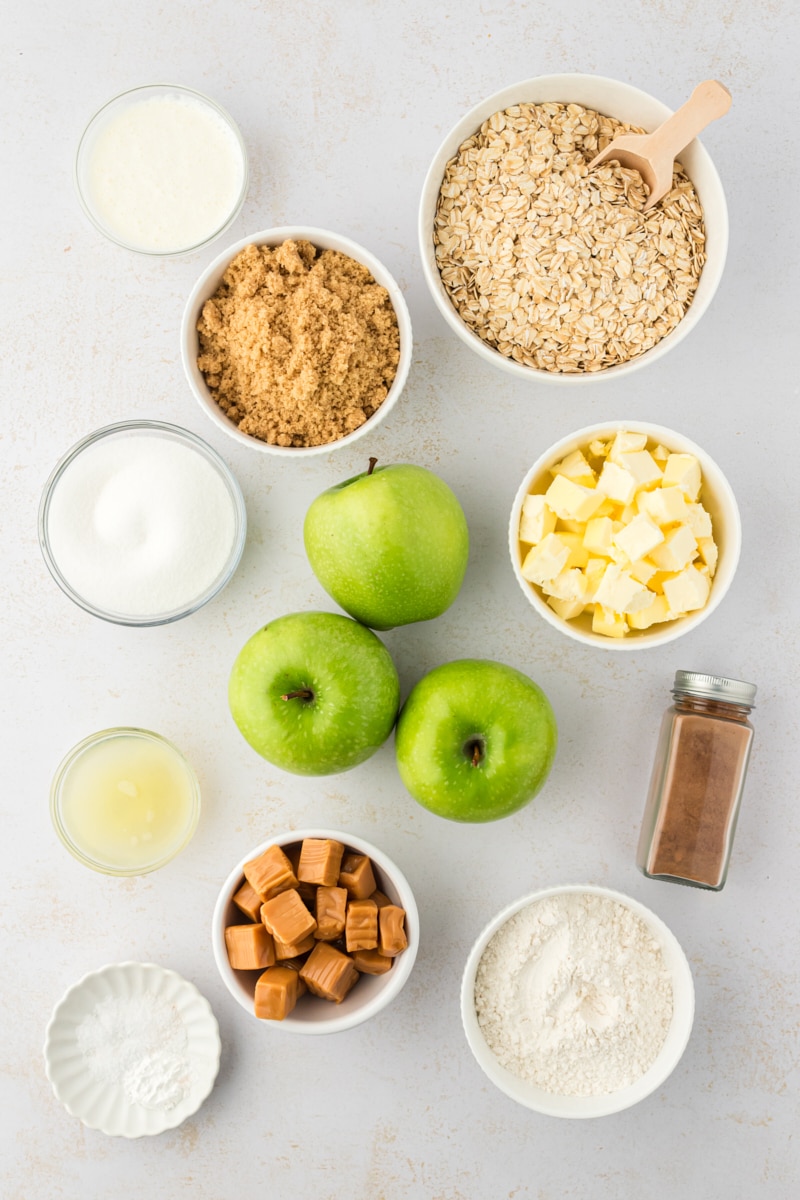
161	170
142	523
125	801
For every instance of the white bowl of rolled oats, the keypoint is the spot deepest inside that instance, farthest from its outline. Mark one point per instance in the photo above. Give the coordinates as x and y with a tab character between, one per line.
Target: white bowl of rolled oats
625	535
553	272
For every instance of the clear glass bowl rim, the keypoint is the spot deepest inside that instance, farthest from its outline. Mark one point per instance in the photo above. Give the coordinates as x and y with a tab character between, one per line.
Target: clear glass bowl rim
181	435
84	199
63	770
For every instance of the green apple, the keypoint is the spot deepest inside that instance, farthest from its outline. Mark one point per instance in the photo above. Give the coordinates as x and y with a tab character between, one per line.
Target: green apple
475	740
314	693
390	545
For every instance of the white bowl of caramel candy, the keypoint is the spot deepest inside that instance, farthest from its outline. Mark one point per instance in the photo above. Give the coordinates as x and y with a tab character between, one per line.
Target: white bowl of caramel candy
625	535
315	931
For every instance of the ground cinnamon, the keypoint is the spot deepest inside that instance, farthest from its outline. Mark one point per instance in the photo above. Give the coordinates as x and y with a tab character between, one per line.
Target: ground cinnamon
697	781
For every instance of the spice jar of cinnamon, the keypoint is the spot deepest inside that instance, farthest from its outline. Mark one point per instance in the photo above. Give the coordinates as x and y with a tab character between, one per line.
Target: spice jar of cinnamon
697	781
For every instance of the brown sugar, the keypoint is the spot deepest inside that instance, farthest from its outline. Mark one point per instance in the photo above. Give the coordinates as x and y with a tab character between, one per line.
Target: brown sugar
298	346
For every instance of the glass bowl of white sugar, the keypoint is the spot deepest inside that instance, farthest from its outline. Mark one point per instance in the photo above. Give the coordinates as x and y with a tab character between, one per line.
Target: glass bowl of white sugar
577	1001
142	523
161	170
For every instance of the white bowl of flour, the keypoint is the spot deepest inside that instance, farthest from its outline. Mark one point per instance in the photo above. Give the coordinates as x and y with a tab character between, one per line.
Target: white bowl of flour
577	1001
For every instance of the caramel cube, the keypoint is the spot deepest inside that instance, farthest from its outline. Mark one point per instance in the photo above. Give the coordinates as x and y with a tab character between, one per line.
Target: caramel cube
287	918
283	950
320	861
328	973
392	940
372	962
380	899
276	993
296	964
361	925
250	947
248	901
356	875
331	906
271	873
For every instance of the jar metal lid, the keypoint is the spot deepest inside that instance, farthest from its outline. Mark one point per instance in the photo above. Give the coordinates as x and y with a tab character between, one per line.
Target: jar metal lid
714	687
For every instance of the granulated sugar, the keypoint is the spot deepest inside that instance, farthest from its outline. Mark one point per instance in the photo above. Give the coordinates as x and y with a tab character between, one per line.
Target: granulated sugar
141	525
573	994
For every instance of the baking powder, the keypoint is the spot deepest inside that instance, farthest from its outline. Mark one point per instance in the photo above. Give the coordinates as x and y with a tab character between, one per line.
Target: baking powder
573	994
138	1043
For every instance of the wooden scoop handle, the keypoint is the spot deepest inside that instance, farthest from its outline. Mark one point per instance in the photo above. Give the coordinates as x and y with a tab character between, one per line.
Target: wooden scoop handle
708	101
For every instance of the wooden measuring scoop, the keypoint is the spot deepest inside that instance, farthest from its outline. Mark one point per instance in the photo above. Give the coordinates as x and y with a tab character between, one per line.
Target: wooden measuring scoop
653	154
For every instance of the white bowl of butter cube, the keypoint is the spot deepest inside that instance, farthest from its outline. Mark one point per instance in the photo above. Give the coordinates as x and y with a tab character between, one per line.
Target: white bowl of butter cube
625	535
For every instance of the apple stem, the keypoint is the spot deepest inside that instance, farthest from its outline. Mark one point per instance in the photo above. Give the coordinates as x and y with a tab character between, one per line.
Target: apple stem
476	749
300	694
372	464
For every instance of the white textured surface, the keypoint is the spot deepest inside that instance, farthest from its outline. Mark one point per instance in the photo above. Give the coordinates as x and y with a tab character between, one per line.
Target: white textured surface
342	106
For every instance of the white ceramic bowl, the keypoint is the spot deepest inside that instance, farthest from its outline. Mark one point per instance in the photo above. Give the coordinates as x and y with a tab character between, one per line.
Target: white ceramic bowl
208	283
716	495
371	994
548	1103
105	1106
614	99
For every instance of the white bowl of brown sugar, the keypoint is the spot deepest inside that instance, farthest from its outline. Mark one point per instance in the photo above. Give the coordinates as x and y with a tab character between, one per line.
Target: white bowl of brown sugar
296	341
552	272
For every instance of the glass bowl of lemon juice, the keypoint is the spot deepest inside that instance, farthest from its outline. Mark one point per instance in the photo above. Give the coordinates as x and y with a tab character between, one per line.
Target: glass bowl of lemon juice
125	801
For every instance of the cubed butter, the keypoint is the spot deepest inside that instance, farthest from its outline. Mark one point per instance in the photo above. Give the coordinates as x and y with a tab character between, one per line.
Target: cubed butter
709	553
664	505
599	535
643	570
536	520
576	468
578	554
626	443
593	574
643	467
545	561
569	585
572	501
698	520
566	609
610	624
678	548
656	612
620	593
616	483
638	538
688	591
683	471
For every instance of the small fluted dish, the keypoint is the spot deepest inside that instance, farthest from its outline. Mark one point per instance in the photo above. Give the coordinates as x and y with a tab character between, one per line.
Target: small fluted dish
106	1106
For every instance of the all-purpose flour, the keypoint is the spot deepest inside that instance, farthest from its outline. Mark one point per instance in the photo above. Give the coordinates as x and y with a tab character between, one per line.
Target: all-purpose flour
573	994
